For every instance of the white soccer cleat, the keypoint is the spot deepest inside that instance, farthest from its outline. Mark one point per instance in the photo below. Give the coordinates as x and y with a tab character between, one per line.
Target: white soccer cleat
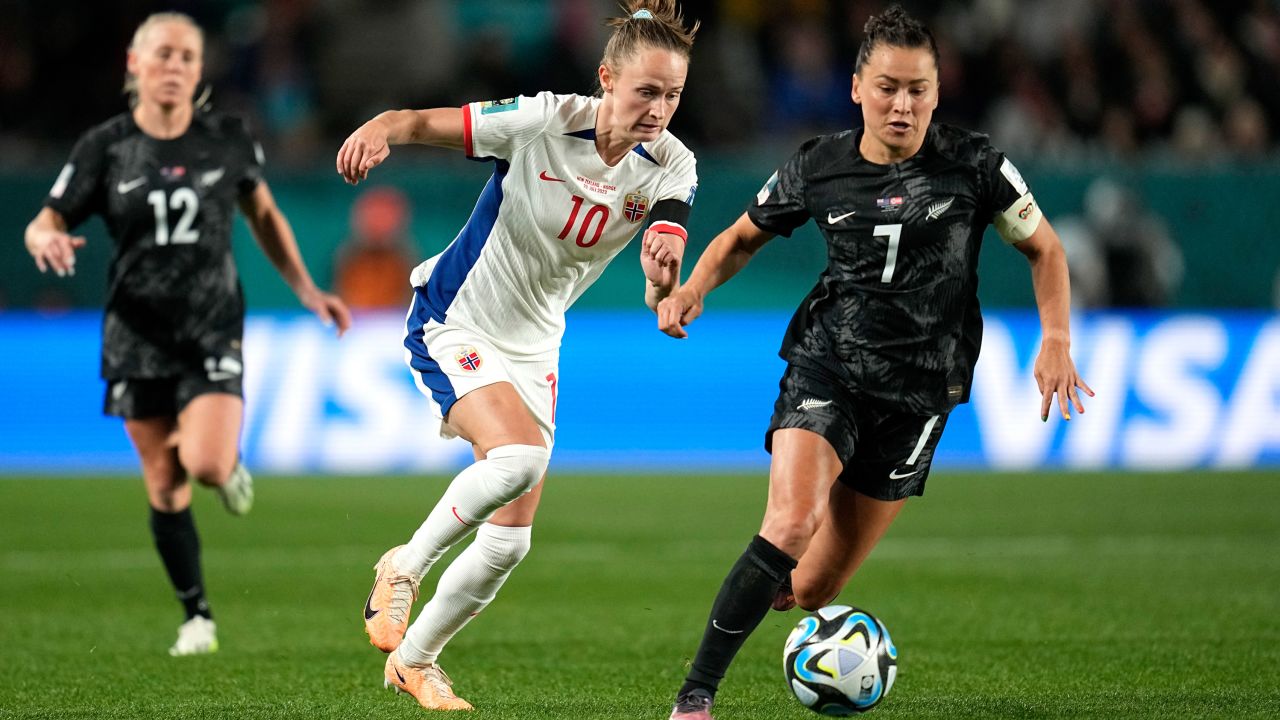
197	636
237	492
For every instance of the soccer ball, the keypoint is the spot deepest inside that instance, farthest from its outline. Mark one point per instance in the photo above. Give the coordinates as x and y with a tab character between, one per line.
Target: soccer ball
840	661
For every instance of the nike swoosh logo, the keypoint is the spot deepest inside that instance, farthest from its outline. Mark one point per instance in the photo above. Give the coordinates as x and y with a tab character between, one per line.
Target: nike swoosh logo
833	219
716	625
455	514
123	187
544	176
398	675
895	476
369	612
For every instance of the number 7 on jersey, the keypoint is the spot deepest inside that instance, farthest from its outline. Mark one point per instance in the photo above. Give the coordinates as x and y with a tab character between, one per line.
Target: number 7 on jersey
894	233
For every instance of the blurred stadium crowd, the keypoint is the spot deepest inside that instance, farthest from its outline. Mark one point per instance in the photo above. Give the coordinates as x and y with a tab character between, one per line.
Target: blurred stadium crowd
1067	81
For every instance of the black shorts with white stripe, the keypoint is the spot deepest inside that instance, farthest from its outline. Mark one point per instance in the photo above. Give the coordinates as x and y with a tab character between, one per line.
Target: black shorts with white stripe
886	452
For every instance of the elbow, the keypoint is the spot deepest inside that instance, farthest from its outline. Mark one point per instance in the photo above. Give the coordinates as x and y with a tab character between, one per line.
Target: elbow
1043	251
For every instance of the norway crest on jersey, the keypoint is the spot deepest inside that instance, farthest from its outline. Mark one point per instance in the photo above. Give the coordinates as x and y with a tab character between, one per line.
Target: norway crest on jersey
468	359
634	207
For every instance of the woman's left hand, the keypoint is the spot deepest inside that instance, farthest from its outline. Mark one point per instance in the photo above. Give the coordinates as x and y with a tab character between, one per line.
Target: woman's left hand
660	255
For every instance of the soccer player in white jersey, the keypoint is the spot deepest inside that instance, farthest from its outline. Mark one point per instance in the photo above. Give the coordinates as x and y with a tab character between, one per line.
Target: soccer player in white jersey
575	178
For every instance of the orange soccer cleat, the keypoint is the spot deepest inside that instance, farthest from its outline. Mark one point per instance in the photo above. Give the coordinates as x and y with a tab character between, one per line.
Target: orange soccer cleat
386	612
428	685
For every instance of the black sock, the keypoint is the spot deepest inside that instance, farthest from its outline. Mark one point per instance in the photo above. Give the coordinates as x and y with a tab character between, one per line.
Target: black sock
743	602
179	548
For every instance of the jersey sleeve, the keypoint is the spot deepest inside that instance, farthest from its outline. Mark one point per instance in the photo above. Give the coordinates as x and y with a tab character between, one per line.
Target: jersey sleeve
780	205
77	193
676	192
1013	209
251	156
497	128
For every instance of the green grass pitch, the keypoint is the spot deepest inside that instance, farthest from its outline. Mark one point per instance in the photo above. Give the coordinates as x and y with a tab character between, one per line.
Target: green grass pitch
1035	595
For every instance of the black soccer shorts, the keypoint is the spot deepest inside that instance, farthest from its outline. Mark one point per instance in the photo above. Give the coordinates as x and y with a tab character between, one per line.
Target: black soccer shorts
136	398
886	451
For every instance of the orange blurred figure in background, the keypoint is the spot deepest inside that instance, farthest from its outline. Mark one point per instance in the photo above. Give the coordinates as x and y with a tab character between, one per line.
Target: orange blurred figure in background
373	265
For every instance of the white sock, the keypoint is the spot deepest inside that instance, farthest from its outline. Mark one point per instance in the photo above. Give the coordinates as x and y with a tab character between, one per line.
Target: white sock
467	586
507	472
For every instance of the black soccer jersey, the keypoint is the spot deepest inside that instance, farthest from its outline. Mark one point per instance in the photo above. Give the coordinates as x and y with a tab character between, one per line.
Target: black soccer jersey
174	301
897	306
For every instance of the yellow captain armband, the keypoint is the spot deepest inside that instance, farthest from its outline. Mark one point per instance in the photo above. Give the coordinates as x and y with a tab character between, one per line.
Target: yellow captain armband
1019	221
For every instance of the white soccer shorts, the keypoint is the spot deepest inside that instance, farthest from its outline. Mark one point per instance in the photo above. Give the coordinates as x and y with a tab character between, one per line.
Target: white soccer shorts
449	362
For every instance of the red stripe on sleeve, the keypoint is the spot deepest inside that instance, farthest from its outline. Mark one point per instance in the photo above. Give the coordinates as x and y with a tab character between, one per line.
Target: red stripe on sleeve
466	130
666	226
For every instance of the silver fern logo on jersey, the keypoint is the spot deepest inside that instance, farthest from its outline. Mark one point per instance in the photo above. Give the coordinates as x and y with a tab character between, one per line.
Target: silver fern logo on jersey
936	209
211	177
812	404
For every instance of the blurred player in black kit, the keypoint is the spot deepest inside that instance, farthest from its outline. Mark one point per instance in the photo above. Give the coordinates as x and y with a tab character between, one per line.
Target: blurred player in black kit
166	177
885	344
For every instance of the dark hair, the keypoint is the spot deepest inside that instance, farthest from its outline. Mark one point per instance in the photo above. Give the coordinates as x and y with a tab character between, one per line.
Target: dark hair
648	23
897	28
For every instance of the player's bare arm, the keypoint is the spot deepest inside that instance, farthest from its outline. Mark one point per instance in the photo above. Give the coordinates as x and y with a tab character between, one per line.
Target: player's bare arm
371	143
660	256
273	234
1054	370
727	254
49	244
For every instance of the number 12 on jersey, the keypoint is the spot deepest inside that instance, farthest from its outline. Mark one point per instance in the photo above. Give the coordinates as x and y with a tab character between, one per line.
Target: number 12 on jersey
894	233
184	199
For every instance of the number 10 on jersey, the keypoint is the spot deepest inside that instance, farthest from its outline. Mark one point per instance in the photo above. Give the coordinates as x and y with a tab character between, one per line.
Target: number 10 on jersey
598	214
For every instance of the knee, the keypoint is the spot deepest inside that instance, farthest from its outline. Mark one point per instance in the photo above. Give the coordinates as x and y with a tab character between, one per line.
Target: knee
517	468
814	594
169	499
208	470
791	529
167	488
503	547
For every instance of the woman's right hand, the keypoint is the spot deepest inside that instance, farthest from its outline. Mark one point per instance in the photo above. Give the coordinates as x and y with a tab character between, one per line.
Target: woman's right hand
678	310
364	150
54	249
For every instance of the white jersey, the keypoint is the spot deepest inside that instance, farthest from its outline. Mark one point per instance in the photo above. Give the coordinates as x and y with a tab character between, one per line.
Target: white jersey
549	220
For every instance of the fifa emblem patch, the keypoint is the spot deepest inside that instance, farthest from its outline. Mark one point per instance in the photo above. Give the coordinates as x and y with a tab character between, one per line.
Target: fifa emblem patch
468	359
767	190
634	207
889	204
489	107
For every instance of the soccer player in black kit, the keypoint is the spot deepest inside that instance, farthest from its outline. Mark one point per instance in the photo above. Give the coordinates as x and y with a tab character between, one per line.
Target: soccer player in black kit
166	177
884	345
